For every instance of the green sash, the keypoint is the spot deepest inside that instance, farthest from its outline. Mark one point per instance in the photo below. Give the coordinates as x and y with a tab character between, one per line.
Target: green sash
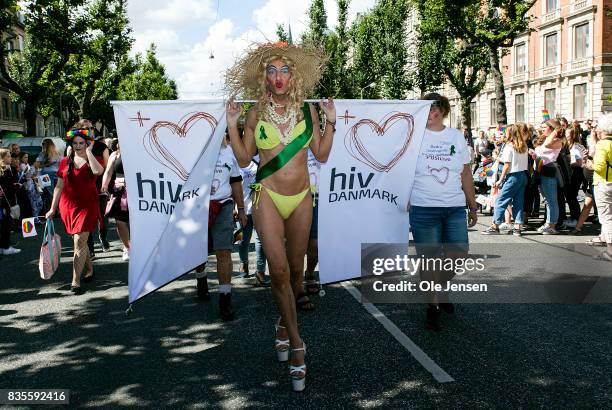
282	158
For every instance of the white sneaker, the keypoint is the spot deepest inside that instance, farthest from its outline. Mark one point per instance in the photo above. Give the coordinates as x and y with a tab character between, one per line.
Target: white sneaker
541	228
126	254
505	227
10	251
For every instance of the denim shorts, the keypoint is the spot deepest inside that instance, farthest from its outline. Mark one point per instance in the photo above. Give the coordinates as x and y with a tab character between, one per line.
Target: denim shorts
438	230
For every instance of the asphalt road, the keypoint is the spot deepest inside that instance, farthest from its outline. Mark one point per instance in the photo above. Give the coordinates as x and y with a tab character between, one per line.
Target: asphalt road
173	351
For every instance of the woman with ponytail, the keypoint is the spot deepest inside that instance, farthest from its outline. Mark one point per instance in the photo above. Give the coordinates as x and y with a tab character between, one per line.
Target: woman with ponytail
77	197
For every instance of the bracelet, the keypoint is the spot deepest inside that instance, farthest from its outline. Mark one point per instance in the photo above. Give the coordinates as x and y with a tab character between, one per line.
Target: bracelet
333	124
240	208
473	210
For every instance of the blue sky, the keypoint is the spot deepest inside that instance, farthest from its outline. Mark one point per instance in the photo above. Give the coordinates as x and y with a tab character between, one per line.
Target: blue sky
186	32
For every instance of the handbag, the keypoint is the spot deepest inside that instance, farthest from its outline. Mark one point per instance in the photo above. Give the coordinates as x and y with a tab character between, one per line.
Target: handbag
15	210
49	252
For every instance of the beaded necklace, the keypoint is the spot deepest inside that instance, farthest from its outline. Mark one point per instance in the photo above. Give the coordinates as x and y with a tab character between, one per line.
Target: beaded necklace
289	118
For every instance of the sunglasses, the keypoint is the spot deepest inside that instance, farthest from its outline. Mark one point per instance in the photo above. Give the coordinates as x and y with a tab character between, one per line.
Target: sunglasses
79	143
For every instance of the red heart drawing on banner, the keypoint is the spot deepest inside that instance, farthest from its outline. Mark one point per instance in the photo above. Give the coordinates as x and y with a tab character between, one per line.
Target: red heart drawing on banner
440	174
156	149
355	147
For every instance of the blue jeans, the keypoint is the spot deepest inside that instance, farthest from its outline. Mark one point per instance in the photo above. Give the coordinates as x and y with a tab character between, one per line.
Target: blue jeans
513	190
243	248
548	186
435	229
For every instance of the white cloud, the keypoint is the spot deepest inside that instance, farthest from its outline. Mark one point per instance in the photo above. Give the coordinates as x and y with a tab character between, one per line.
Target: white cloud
196	74
177	12
166	40
173	14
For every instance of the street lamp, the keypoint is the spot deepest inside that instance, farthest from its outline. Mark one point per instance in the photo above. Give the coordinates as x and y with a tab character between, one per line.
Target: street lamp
367	86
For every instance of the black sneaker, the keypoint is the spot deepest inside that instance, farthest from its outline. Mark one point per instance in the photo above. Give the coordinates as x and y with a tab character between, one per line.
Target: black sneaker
203	289
225	307
433	318
105	245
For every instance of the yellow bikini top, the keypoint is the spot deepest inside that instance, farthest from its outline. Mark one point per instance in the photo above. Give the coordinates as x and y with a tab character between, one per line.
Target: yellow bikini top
267	136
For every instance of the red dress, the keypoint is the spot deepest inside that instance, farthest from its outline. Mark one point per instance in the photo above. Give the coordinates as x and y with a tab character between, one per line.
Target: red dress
79	207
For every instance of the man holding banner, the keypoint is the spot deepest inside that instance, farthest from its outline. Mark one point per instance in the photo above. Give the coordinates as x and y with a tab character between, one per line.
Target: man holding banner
226	185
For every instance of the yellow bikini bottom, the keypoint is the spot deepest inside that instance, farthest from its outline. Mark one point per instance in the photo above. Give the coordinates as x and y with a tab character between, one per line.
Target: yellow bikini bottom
285	204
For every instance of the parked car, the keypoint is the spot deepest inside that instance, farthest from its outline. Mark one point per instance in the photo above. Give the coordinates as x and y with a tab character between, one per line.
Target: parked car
33	145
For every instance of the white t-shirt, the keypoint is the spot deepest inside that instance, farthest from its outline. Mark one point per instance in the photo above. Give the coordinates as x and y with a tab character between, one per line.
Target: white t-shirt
225	168
248	177
437	181
314	169
518	161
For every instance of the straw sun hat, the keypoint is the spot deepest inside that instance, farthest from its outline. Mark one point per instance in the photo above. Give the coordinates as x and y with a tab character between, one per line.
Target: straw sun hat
244	77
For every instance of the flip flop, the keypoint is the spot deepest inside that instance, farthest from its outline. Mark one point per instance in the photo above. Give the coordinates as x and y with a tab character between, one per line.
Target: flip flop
303	302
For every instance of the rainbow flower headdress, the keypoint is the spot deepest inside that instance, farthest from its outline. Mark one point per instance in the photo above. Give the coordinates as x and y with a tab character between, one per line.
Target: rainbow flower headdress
87	134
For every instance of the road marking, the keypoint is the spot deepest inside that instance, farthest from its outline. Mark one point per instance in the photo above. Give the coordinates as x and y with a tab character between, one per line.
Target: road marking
432	367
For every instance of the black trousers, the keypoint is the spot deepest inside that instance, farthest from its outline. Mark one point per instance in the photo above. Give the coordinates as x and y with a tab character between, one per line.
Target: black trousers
5	229
576	181
102	223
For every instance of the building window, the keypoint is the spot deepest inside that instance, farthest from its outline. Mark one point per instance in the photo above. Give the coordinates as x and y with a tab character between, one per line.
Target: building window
550	44
493	116
473	116
520	60
580	101
519	107
549	101
20	39
551	5
15	110
453	116
581	40
5	108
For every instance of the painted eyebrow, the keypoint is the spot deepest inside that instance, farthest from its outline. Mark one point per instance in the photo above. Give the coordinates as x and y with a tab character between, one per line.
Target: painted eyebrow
272	67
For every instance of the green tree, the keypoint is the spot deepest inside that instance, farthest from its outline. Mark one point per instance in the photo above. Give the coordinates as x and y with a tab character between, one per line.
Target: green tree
493	24
281	33
149	81
392	16
53	32
465	65
93	74
466	68
426	70
317	36
339	56
364	72
380	54
316	32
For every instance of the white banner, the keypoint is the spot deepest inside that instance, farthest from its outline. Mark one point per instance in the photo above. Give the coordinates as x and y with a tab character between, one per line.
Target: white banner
365	184
169	150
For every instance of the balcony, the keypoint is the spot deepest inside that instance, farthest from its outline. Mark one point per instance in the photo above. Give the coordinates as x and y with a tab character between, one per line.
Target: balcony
581	6
549	71
520	77
579	64
551	18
